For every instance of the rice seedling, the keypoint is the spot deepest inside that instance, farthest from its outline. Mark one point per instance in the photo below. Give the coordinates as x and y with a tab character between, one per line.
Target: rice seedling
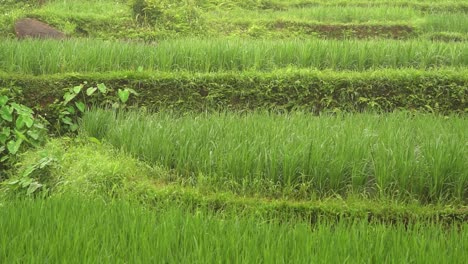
202	55
77	230
446	22
326	14
395	155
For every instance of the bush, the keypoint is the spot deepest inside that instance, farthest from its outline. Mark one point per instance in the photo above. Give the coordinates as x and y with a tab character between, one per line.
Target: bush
76	166
19	128
178	15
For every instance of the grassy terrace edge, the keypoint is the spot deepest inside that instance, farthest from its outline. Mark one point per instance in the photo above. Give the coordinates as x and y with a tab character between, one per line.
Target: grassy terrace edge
441	90
332	209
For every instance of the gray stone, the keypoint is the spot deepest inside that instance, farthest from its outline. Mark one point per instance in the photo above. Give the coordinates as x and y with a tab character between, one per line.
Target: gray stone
32	28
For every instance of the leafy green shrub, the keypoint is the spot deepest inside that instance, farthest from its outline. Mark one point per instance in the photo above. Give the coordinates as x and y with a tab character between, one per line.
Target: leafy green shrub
78	166
179	15
65	113
18	128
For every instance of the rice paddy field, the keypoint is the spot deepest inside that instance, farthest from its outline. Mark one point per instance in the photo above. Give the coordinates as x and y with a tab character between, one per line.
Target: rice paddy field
235	131
220	55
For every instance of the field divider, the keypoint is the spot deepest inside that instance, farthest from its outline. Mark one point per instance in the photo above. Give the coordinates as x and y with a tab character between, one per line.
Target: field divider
439	90
332	209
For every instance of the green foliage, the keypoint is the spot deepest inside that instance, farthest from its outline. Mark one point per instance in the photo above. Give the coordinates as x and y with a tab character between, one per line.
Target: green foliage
439	91
396	155
66	113
19	127
218	55
32	180
151	20
181	16
94	231
88	168
82	166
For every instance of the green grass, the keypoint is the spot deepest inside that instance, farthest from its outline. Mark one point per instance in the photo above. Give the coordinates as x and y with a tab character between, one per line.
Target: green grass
415	3
456	22
446	22
108	19
71	230
198	55
395	155
86	7
89	169
325	14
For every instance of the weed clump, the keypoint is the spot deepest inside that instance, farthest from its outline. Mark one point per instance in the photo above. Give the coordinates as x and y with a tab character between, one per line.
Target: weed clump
168	14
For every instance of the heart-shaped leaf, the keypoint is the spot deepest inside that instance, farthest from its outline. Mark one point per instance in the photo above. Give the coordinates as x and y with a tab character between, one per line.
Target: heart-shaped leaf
74	127
28	120
22	109
71	110
3	138
4	134
90	91
123	95
77	89
33	134
68	97
6	113
81	106
3	100
102	88
20	122
13	146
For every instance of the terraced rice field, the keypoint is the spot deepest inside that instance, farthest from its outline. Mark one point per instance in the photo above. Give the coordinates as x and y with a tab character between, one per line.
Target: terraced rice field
240	131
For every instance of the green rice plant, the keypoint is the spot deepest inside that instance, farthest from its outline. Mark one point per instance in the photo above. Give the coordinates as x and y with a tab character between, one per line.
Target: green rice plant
430	5
72	230
394	155
101	8
89	168
326	14
446	22
203	55
332	15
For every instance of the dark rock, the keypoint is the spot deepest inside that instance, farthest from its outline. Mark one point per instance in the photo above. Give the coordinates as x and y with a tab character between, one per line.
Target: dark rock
31	28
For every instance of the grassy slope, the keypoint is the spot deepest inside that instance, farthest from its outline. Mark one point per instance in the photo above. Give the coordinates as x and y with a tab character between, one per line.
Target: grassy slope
114	19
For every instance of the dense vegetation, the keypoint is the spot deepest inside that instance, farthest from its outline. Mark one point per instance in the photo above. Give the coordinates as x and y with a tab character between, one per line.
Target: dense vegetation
198	55
398	153
256	131
123	233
